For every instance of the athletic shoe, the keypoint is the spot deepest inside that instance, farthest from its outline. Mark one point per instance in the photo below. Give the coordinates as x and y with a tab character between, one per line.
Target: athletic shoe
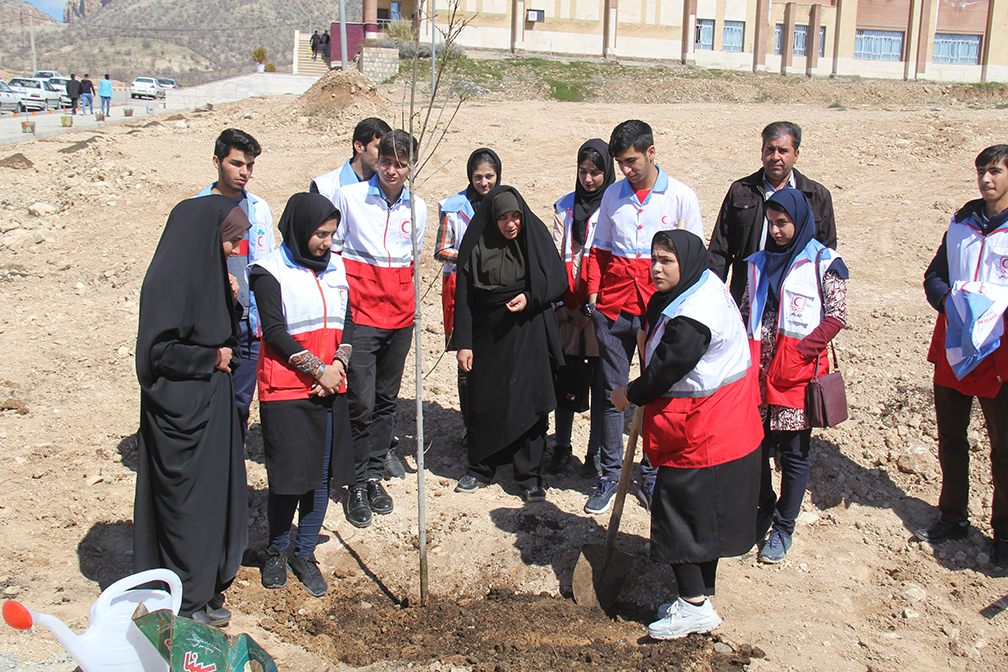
683	618
379	500
469	484
592	468
393	466
274	570
536	494
940	530
561	456
644	494
358	512
307	572
776	548
601	497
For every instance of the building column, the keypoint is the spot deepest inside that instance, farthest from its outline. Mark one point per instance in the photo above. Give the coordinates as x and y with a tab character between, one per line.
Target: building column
370	18
689	32
924	39
518	27
610	14
787	38
843	37
762	25
812	40
994	56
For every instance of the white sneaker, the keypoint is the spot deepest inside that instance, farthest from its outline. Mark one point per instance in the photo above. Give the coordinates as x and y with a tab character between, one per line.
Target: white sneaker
682	618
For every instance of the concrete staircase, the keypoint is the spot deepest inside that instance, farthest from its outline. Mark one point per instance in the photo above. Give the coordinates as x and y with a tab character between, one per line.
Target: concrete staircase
305	64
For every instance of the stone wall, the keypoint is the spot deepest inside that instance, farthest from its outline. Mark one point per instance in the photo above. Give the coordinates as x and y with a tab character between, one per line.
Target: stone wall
378	63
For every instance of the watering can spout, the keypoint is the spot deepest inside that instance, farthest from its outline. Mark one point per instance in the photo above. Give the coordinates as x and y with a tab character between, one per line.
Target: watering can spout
21	618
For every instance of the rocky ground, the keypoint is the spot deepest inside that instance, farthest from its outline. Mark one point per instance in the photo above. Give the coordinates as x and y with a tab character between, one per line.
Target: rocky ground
81	214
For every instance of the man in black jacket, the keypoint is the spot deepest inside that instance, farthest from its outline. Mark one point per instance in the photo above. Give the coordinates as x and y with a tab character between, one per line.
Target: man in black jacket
741	228
73	89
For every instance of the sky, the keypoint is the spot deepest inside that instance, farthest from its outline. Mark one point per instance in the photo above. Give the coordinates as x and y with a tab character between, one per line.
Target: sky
53	8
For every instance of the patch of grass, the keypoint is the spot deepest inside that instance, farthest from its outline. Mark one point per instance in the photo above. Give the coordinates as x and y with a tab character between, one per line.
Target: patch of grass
1001	106
568	92
990	87
836	105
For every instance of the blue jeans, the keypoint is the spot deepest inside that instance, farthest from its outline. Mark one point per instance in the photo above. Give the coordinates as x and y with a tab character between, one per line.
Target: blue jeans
106	105
87	103
245	377
617	340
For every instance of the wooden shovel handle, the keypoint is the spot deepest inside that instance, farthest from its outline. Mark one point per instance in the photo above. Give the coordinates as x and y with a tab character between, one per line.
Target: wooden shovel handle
624	481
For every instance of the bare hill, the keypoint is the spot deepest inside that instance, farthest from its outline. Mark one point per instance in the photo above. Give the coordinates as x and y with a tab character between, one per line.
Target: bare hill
15	13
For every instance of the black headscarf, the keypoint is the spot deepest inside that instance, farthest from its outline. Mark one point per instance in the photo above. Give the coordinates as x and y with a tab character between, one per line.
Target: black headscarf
186	296
497	262
476	159
301	218
587	202
780	259
693	261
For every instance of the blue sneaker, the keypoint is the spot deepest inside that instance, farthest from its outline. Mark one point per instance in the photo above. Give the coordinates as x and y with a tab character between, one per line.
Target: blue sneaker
601	497
776	547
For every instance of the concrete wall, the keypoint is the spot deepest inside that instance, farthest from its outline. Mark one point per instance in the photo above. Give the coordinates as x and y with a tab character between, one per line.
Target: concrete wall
238	88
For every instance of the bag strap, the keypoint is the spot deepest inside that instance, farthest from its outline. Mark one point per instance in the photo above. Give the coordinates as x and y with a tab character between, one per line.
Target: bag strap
822	302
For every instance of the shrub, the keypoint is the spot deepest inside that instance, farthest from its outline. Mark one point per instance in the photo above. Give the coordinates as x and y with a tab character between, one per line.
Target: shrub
259	55
270	67
400	30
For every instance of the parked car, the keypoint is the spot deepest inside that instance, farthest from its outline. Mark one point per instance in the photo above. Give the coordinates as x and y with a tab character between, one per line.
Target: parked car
167	83
35	94
46	74
9	101
59	83
146	87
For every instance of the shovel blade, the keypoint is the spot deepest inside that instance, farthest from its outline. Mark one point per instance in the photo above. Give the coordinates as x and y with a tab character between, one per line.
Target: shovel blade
598	580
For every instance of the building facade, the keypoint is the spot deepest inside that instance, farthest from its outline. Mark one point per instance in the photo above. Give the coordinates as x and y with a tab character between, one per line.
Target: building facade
943	40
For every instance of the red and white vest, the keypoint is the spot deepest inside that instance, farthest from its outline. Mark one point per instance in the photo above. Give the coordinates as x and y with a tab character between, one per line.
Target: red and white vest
457	211
377	248
711	415
799	313
574	260
314	312
973	256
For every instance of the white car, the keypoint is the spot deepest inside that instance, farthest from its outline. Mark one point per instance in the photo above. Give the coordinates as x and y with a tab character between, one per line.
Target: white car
8	99
46	74
59	83
168	83
146	87
34	94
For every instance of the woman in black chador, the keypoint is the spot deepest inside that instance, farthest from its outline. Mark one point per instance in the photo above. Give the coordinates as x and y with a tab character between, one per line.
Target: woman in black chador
508	340
191	508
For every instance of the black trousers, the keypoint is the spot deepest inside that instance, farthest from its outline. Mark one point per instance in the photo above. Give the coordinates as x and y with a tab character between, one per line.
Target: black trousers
525	453
794	452
695	580
952	411
373	380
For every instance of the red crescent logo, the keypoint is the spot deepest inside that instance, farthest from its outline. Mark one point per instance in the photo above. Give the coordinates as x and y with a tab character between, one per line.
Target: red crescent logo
798	304
405	226
663	220
1004	263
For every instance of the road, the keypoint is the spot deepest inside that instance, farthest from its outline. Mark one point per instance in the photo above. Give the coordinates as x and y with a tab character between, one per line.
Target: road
51	123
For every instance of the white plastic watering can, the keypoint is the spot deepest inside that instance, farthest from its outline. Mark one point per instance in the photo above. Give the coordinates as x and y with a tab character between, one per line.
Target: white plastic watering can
112	642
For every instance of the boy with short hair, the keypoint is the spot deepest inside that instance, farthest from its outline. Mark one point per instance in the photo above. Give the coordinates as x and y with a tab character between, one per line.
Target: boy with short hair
619	282
967	283
375	236
235	152
361	166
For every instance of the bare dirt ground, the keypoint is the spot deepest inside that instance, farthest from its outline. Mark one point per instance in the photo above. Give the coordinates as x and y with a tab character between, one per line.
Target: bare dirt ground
855	593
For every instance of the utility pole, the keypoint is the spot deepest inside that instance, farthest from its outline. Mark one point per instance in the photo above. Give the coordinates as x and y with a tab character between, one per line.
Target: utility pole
31	25
342	35
433	32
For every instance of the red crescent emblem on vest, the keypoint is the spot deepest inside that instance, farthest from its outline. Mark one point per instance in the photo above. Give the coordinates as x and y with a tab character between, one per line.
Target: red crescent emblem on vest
1004	263
663	220
798	303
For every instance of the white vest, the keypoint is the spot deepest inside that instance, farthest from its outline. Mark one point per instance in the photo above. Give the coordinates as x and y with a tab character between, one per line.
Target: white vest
801	308
457	212
564	209
727	358
972	256
310	302
374	233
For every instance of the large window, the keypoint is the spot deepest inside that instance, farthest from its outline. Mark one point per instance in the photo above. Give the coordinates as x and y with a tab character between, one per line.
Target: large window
777	46
878	45
964	49
800	38
704	34
734	34
822	41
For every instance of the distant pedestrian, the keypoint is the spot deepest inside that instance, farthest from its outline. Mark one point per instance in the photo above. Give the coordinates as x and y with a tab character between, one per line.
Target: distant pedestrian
316	41
87	95
73	89
325	44
105	93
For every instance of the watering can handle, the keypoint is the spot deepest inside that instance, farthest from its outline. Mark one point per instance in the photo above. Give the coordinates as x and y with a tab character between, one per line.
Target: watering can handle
146	576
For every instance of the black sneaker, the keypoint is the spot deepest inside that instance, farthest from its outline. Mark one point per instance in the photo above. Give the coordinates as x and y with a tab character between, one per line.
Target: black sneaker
274	570
307	572
940	530
999	554
592	469
536	494
601	497
393	466
469	484
379	500
358	513
204	616
644	494
561	456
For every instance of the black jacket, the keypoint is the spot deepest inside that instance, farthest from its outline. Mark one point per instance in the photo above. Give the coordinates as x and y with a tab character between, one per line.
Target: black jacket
73	88
739	225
